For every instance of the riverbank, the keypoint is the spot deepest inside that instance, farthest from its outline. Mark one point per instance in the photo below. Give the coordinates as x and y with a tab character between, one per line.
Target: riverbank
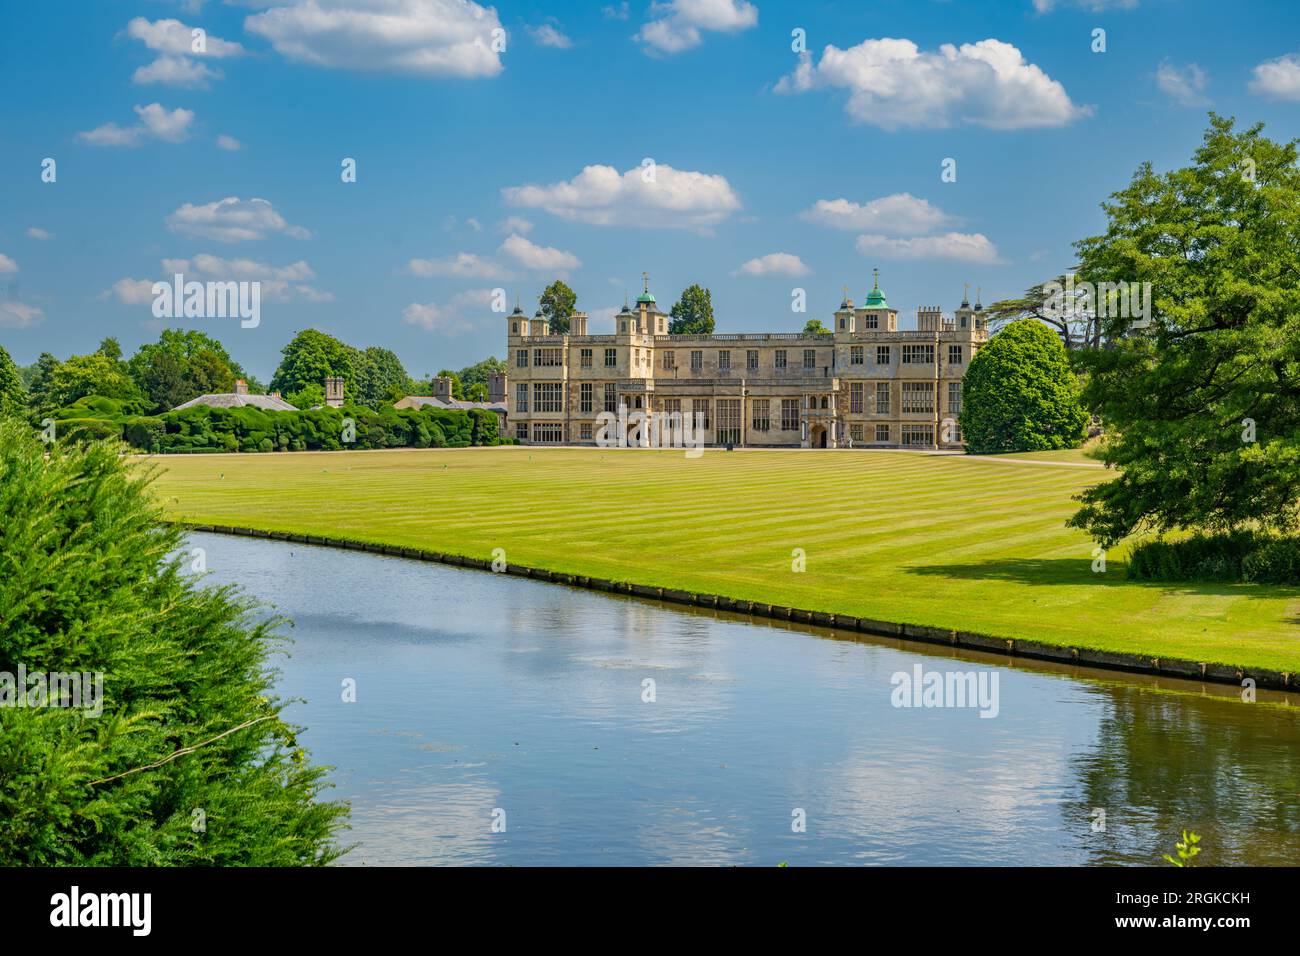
946	542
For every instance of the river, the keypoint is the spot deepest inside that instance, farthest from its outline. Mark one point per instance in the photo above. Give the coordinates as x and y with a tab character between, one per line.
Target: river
504	721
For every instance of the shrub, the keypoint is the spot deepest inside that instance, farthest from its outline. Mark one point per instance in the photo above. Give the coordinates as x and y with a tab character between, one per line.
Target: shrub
1019	393
1229	557
90	582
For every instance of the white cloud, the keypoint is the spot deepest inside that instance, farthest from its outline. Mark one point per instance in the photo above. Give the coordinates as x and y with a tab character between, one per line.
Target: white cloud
774	264
232	220
894	84
279	283
474	224
516	224
177	39
1184	85
16	315
177	71
130	291
229	143
959	246
539	258
156	121
454	318
36	233
422	37
679	23
602	196
901	214
549	35
7	266
463	265
1279	78
620	12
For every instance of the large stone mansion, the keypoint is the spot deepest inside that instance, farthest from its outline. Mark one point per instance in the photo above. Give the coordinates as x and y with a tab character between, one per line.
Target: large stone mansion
864	383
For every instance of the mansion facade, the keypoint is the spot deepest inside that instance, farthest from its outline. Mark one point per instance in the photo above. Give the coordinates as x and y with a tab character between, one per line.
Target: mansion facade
862	383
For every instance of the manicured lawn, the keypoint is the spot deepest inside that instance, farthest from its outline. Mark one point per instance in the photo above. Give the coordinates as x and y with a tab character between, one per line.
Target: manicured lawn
958	542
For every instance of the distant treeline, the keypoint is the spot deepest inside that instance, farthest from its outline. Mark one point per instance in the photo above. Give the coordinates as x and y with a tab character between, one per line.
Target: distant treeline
202	429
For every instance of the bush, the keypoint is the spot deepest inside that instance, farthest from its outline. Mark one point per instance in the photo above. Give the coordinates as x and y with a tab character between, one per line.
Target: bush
1019	394
1276	561
91	582
1238	556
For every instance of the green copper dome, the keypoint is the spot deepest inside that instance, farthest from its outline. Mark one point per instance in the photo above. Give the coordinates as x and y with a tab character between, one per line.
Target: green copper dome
875	298
645	295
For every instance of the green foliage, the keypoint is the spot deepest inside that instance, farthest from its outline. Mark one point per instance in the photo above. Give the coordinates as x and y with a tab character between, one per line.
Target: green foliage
311	357
692	314
814	327
82	375
1203	406
90	581
1229	557
477	374
379	374
1073	318
558	303
181	365
111	349
249	429
1019	394
1187	850
13	394
309	396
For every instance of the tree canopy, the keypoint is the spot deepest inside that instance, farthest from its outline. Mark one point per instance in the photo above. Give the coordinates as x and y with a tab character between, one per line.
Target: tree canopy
94	584
558	303
1020	394
1201	405
692	314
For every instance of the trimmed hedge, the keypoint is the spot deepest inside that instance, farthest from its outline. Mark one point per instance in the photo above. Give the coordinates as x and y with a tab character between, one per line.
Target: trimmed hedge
1239	556
250	429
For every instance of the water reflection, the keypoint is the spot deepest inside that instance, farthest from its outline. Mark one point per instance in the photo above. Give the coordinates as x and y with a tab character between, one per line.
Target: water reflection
479	693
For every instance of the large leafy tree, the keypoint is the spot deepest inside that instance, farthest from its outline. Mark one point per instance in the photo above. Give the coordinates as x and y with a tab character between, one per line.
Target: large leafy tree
182	365
558	304
380	375
82	375
692	314
309	358
814	327
91	582
37	377
1203	403
1020	394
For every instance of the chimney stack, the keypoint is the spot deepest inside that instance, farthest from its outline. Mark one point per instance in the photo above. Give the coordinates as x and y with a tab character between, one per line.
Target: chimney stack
334	391
442	388
496	386
578	323
241	387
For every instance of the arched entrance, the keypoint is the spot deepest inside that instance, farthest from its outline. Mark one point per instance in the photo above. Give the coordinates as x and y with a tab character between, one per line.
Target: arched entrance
817	436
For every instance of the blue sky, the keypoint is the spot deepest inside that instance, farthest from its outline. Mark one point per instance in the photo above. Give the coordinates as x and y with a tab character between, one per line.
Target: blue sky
769	175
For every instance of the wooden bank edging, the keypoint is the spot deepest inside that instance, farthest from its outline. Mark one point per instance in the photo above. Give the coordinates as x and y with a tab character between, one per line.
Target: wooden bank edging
1016	647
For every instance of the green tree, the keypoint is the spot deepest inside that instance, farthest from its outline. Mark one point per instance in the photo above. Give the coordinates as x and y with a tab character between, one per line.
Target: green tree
378	373
309	358
814	327
162	379
692	314
558	303
1201	405
110	348
13	395
94	584
82	375
1020	394
477	374
38	377
208	374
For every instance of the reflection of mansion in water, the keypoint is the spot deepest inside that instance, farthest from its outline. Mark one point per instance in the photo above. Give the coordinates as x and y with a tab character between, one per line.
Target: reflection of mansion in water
863	383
